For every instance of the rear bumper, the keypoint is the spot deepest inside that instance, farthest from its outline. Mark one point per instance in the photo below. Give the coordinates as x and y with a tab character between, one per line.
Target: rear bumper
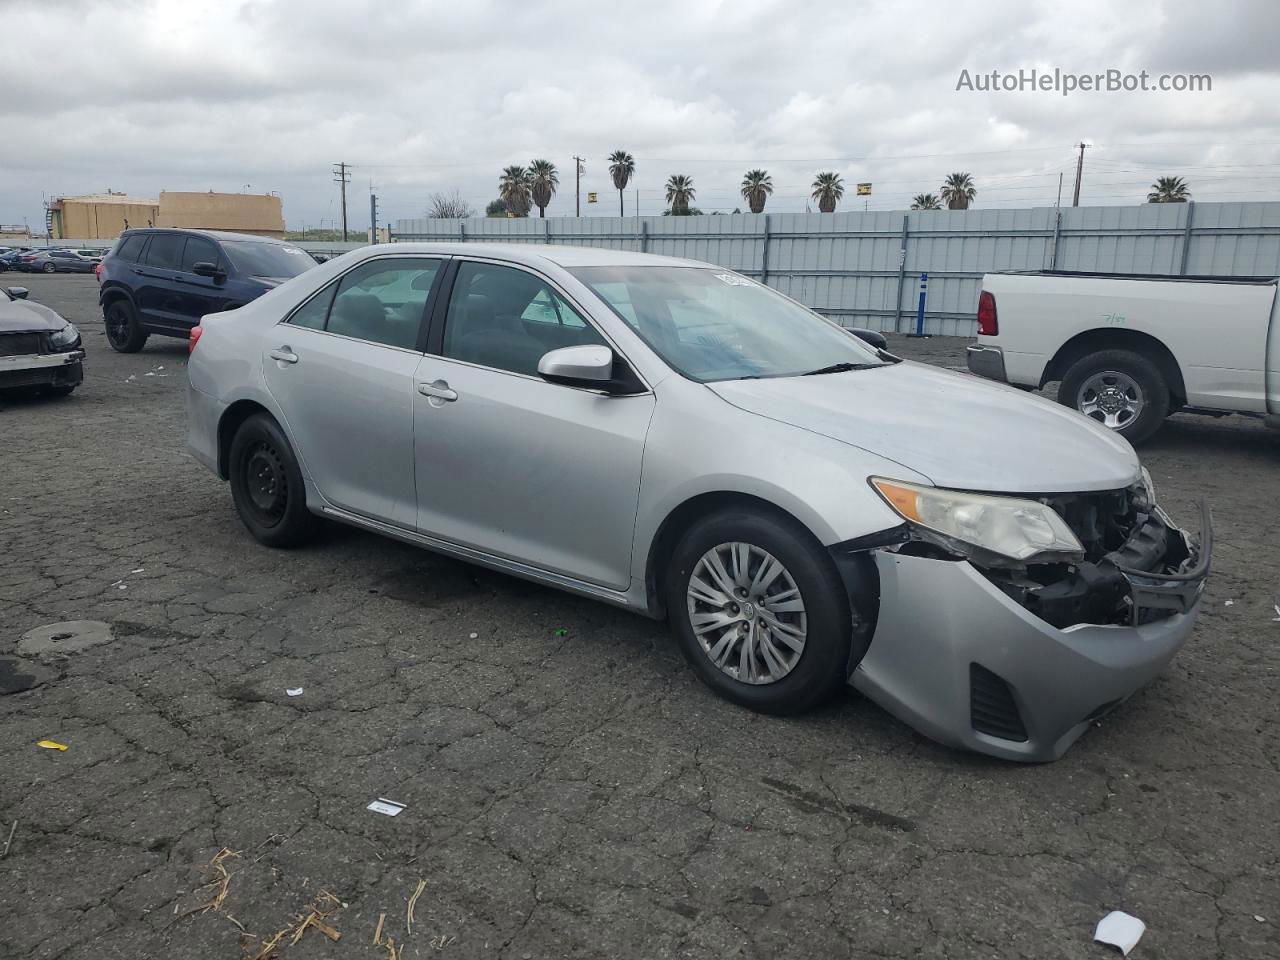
986	362
203	414
953	655
42	370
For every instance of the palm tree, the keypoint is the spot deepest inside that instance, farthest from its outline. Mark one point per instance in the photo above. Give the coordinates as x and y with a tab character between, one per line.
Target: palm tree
1169	190
925	201
622	167
513	189
827	190
543	181
679	194
756	187
958	191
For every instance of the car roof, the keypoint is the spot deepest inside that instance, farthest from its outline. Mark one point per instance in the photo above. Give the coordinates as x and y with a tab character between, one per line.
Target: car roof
211	234
535	254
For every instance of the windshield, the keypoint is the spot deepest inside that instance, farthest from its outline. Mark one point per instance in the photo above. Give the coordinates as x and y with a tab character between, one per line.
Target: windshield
267	259
711	325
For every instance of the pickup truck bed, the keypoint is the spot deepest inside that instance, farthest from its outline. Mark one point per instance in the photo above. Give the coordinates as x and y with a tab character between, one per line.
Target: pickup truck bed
1131	349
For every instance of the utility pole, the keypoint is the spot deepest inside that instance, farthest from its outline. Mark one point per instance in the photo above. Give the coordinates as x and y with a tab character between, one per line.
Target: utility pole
577	185
1059	201
373	218
342	175
1075	200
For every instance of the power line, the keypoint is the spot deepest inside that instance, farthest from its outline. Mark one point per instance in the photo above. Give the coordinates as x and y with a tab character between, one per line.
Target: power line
342	175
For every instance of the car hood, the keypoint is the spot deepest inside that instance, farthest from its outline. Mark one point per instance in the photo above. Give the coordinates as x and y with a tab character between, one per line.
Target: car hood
957	430
23	316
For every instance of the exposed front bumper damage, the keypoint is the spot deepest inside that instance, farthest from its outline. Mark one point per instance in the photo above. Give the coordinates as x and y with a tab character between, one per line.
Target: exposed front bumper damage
42	369
966	655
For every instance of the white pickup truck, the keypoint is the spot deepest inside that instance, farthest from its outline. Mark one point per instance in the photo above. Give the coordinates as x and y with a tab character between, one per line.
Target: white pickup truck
1130	350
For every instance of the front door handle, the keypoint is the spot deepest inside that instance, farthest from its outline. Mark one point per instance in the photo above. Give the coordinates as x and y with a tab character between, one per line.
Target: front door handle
284	355
438	391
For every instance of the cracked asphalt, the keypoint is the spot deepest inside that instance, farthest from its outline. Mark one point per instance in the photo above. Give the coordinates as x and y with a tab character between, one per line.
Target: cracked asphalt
570	789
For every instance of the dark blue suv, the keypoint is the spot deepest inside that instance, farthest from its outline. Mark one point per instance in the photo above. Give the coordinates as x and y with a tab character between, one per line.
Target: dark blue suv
163	281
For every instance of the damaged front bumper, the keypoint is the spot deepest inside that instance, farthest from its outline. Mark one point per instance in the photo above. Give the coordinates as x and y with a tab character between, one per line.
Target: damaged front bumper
65	368
966	655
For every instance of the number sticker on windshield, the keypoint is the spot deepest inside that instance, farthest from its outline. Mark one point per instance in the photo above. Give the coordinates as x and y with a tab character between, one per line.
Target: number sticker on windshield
733	281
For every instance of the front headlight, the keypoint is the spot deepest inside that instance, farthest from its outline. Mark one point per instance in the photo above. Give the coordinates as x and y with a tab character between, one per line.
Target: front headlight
1014	528
65	338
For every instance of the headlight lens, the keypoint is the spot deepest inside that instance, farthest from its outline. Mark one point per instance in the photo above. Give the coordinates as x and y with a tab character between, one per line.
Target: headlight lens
1014	528
68	336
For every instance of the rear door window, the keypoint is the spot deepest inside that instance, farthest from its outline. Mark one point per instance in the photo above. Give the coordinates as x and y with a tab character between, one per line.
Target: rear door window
166	251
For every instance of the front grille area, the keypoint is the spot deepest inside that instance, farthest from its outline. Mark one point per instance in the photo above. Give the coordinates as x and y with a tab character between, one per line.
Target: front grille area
991	707
19	344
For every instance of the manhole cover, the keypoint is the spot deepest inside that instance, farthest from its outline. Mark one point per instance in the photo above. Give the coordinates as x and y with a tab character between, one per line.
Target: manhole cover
71	636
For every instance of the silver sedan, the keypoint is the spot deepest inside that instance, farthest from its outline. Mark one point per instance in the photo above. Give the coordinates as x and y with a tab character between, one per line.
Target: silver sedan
674	438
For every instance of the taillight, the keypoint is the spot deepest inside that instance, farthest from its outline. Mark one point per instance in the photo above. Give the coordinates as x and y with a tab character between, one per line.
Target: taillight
988	326
97	271
196	332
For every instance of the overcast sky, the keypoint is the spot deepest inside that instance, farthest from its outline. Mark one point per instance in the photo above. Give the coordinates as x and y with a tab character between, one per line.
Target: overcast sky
265	95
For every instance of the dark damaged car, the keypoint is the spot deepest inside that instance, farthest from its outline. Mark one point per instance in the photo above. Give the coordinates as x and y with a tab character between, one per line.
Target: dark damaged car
39	350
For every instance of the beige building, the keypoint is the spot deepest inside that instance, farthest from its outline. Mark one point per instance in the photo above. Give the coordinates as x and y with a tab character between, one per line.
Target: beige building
105	216
256	213
100	216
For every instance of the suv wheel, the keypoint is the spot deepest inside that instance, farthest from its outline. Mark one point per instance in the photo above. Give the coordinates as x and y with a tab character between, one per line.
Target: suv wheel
1120	389
266	485
124	333
760	610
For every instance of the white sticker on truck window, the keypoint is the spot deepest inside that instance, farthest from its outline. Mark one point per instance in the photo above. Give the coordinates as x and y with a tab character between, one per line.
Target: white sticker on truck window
733	281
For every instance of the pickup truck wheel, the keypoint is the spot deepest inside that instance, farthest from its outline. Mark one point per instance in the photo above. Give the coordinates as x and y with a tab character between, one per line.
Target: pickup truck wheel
760	611
266	485
124	333
1120	389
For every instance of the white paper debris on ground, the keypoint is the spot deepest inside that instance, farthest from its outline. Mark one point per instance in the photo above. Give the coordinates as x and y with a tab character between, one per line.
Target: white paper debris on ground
1276	618
1259	919
1120	930
293	691
139	570
383	805
474	635
1229	603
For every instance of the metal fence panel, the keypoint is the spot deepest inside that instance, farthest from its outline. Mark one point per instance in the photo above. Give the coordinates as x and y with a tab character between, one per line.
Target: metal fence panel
851	266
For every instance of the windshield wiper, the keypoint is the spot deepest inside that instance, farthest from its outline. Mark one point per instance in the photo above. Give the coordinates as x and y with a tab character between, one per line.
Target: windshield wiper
841	368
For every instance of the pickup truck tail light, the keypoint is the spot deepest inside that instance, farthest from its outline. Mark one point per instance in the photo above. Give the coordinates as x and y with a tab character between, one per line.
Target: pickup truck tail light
196	332
988	325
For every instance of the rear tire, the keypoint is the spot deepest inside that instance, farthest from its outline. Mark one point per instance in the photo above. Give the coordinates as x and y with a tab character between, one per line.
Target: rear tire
1120	389
805	601
124	332
266	485
49	268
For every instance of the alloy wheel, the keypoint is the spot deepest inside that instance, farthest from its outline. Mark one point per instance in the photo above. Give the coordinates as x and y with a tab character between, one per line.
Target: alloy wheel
747	613
1112	398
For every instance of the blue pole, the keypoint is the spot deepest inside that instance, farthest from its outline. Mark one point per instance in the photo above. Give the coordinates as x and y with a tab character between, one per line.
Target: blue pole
924	292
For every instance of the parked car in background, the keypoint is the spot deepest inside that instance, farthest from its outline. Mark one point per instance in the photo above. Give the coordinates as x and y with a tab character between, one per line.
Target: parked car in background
677	439
56	261
38	348
163	281
9	259
1130	350
93	253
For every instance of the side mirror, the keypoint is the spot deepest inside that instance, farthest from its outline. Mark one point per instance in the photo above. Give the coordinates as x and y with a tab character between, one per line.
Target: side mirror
872	337
18	293
585	366
203	268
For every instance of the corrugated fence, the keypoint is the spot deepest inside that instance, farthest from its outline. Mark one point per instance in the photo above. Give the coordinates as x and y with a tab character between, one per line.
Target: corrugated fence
864	269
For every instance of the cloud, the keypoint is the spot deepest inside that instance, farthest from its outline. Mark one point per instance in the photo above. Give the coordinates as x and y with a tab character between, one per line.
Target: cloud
148	95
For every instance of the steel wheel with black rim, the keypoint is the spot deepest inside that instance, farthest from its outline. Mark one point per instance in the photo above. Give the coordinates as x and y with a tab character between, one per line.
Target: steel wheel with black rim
1120	389
266	484
124	333
760	610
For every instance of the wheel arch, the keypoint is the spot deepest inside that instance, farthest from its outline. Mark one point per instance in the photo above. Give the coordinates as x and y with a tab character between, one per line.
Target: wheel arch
230	421
1099	339
113	293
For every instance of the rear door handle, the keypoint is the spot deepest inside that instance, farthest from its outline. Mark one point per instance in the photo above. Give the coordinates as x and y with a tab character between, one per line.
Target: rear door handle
284	355
438	391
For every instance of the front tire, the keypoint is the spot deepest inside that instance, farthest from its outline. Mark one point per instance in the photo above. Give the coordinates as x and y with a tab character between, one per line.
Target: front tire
266	485
49	268
124	332
1122	390
760	611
